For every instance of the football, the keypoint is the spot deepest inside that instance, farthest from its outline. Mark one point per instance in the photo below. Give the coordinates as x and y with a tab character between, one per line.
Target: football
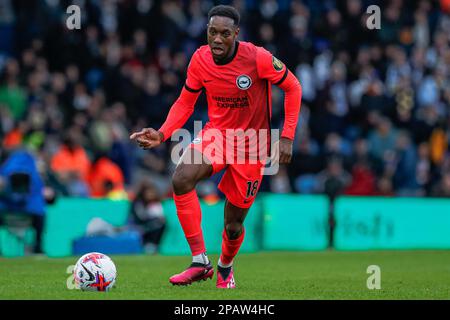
95	272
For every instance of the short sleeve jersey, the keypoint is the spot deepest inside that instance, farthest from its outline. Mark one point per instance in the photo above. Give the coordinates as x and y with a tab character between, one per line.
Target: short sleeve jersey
238	92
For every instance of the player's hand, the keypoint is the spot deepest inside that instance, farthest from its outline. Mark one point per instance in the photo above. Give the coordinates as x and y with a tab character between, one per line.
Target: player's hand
148	138
285	150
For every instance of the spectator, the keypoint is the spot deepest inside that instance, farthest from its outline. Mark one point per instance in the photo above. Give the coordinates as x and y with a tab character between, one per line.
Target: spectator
105	178
72	165
362	181
147	214
384	187
442	189
382	139
11	94
334	179
280	182
118	74
406	159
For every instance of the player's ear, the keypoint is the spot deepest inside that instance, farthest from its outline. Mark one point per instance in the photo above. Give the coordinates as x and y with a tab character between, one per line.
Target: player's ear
236	31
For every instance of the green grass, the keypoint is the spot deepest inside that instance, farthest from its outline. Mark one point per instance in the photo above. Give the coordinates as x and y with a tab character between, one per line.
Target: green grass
268	275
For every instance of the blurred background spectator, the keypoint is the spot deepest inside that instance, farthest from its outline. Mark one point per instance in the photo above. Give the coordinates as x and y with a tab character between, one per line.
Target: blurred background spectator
147	215
375	113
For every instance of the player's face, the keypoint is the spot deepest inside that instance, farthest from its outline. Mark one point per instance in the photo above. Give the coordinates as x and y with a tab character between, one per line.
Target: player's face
222	34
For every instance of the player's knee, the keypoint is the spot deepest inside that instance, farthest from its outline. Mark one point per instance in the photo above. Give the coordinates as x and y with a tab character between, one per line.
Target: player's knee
233	230
182	181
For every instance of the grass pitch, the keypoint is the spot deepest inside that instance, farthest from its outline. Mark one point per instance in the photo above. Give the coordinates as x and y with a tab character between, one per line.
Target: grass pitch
267	275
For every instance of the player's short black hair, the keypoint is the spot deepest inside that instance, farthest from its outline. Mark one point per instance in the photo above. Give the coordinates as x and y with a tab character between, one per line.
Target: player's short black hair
225	11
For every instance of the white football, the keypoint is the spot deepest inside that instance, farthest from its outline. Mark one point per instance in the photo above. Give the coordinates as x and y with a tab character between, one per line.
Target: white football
95	272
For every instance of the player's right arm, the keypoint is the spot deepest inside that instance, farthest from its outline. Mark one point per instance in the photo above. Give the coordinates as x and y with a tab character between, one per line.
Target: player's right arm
179	113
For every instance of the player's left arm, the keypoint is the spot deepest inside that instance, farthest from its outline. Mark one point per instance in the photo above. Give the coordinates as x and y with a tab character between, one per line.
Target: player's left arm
272	69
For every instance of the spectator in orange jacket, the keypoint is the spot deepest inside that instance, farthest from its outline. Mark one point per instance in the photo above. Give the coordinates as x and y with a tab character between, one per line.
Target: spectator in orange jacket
71	163
105	177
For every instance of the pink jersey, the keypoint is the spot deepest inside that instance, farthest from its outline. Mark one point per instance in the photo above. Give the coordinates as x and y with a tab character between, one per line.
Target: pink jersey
238	92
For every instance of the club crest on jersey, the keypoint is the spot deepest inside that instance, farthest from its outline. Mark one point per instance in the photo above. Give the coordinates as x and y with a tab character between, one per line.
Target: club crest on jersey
243	82
277	64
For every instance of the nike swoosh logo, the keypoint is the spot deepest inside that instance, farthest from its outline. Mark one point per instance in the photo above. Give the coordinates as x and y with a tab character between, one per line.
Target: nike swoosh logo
91	275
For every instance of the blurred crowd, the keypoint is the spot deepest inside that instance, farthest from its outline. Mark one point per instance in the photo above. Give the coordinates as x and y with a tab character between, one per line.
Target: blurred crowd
375	110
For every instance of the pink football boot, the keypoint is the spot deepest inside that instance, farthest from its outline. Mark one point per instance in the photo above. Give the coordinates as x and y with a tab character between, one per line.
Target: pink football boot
227	283
195	272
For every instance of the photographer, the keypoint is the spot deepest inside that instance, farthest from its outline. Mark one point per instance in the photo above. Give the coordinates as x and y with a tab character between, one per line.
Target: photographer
22	191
